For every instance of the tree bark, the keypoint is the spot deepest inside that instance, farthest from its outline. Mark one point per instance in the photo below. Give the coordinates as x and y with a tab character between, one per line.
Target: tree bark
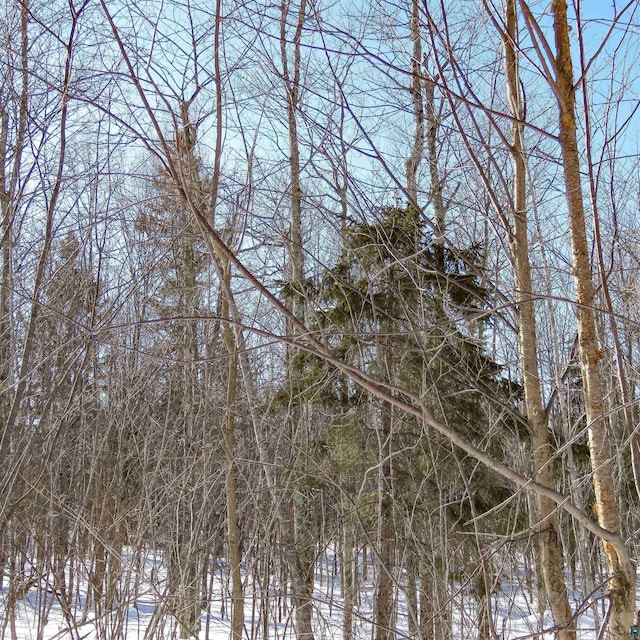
413	162
300	551
622	576
383	605
412	594
348	573
551	561
5	287
234	540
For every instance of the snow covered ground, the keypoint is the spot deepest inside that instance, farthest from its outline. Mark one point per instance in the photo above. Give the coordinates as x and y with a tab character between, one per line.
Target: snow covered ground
142	612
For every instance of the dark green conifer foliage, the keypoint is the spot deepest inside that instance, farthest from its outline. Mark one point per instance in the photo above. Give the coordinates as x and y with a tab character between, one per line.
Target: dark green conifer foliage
425	302
410	312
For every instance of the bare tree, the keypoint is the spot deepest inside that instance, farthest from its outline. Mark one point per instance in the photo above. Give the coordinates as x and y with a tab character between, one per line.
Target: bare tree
291	303
551	551
622	572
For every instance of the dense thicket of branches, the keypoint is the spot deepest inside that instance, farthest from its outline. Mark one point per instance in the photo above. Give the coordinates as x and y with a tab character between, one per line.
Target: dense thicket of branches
285	278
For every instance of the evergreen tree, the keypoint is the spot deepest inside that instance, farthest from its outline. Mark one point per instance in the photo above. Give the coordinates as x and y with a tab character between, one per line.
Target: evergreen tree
407	309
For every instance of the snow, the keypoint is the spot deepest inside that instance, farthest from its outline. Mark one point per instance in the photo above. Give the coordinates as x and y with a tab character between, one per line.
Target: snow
141	611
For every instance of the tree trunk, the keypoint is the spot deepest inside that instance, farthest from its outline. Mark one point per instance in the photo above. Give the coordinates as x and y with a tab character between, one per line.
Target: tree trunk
551	559
6	210
383	605
233	529
412	594
348	582
622	577
413	162
300	545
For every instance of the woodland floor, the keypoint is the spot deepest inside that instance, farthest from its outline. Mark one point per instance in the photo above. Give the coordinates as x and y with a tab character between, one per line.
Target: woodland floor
142	613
